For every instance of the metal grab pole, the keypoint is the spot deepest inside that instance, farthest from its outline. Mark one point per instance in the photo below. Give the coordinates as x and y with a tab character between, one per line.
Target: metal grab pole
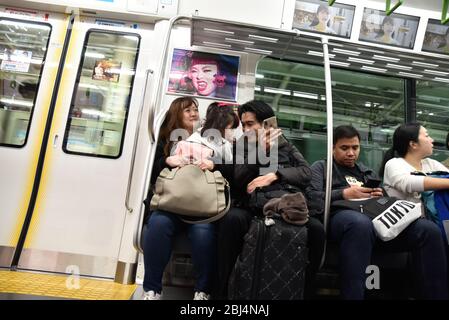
151	119
148	72
330	126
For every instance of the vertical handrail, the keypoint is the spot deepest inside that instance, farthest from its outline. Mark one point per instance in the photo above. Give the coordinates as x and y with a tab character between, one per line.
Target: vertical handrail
330	125
136	140
151	129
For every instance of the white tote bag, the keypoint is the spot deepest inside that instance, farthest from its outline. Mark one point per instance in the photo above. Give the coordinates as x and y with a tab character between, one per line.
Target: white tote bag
396	218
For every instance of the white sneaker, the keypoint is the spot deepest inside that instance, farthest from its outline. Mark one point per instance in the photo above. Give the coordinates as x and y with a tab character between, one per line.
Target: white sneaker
151	295
201	296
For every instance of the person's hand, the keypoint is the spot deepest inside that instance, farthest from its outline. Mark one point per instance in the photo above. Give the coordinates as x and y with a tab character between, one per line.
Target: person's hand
377	192
205	164
356	192
261	181
270	136
176	161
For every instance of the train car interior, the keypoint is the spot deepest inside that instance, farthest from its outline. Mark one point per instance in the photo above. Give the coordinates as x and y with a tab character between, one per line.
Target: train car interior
86	85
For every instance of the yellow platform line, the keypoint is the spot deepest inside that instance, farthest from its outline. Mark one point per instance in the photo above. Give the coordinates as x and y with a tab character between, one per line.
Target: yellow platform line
61	286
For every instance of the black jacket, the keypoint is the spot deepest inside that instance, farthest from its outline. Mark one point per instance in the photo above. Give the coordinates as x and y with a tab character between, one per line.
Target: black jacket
317	189
292	169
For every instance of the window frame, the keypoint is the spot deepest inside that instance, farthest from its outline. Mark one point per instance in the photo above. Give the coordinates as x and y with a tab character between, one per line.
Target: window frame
75	89
44	60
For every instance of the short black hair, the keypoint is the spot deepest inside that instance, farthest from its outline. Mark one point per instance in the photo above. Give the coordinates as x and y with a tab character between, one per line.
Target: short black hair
345	132
261	109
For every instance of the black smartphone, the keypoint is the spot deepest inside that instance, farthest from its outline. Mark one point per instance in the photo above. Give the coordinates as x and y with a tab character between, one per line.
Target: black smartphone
372	183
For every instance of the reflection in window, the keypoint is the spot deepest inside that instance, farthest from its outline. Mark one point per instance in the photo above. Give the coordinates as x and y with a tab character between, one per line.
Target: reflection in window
23	47
432	111
100	103
371	103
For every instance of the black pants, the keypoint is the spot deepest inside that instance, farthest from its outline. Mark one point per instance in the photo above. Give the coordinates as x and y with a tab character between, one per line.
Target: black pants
231	231
357	238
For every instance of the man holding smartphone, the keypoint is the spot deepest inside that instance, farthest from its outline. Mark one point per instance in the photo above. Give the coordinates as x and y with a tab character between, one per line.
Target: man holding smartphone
249	174
354	231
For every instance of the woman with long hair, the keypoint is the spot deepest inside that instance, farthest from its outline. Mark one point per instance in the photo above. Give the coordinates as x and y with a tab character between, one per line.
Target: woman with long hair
412	146
387	31
213	142
321	21
161	227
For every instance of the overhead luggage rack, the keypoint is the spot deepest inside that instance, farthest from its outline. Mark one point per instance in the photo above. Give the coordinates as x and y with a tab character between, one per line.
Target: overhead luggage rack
307	47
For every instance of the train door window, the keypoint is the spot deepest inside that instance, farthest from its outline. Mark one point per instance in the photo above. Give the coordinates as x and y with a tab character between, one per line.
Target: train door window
23	47
100	102
432	111
373	104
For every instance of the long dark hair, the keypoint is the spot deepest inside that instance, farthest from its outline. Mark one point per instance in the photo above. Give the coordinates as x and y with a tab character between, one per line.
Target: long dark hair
401	141
173	120
315	20
386	20
219	116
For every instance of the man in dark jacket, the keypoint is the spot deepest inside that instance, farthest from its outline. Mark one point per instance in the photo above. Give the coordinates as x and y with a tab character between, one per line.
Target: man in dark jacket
354	231
287	166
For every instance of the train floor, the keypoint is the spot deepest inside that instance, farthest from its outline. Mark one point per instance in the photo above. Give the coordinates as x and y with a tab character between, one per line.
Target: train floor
25	285
20	285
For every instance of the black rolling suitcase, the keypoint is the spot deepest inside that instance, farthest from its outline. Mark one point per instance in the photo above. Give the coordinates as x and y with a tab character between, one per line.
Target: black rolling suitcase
272	264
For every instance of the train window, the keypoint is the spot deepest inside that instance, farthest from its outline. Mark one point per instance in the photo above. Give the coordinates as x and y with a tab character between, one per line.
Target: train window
23	47
432	111
99	108
373	104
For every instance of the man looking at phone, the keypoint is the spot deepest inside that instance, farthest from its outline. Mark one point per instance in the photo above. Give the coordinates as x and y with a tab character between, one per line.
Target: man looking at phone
354	231
291	168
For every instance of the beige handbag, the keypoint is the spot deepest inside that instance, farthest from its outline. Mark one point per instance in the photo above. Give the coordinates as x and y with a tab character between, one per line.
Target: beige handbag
192	192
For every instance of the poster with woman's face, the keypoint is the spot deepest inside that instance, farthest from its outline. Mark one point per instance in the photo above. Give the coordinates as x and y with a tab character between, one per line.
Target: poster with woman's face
318	16
436	38
396	29
204	74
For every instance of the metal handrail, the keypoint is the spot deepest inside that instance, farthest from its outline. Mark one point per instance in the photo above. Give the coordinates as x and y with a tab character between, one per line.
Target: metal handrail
148	72
151	125
330	125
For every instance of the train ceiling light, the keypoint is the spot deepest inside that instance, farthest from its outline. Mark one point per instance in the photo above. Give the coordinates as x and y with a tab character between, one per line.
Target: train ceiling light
307	48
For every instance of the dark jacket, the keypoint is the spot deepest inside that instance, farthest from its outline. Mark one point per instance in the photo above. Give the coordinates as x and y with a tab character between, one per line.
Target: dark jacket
317	189
292	169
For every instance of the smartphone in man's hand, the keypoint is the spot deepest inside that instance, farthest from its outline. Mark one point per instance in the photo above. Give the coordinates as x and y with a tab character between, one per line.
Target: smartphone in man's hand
372	183
272	123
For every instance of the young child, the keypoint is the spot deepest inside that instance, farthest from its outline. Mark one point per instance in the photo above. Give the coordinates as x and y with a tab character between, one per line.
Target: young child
210	145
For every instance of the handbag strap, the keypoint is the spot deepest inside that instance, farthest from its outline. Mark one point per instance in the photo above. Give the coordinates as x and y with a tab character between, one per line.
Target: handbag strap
216	217
211	177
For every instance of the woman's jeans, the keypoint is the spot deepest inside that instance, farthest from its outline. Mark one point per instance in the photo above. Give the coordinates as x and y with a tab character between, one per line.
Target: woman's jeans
355	234
159	232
